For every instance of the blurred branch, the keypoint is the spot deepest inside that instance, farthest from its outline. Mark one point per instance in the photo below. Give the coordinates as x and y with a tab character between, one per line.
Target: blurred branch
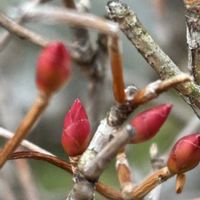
69	4
153	54
5	37
92	61
61	15
25	143
22	32
157	163
26	179
80	37
6	189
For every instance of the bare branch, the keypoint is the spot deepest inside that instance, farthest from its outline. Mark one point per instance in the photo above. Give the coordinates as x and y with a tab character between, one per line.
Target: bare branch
153	54
21	32
117	69
96	167
150	183
71	17
89	172
193	37
5	37
105	190
152	90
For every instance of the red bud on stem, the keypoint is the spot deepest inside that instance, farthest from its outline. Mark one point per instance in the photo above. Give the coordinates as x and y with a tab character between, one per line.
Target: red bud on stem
76	132
185	155
148	123
53	67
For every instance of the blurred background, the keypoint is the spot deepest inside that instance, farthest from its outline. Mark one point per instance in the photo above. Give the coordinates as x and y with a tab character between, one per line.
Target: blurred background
164	20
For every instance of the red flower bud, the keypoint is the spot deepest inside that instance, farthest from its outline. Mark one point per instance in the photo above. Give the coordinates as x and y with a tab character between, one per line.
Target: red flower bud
53	67
185	155
76	132
148	123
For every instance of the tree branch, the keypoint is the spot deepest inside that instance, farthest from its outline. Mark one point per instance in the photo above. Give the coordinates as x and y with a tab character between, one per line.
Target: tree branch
71	17
89	172
158	60
193	37
21	32
5	37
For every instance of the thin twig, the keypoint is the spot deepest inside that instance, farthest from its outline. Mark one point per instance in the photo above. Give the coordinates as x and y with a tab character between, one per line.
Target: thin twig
105	190
71	17
117	69
152	90
21	32
150	183
5	37
25	126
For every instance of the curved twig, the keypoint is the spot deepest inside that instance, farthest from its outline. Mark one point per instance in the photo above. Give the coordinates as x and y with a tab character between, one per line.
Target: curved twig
103	189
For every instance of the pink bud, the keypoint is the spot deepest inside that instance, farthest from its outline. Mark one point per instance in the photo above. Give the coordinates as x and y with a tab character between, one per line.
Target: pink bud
76	132
148	123
53	67
185	155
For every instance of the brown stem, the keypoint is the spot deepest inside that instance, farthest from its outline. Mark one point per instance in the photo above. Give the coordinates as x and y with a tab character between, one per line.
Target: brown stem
150	183
124	174
117	69
154	89
69	4
25	126
103	189
180	182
